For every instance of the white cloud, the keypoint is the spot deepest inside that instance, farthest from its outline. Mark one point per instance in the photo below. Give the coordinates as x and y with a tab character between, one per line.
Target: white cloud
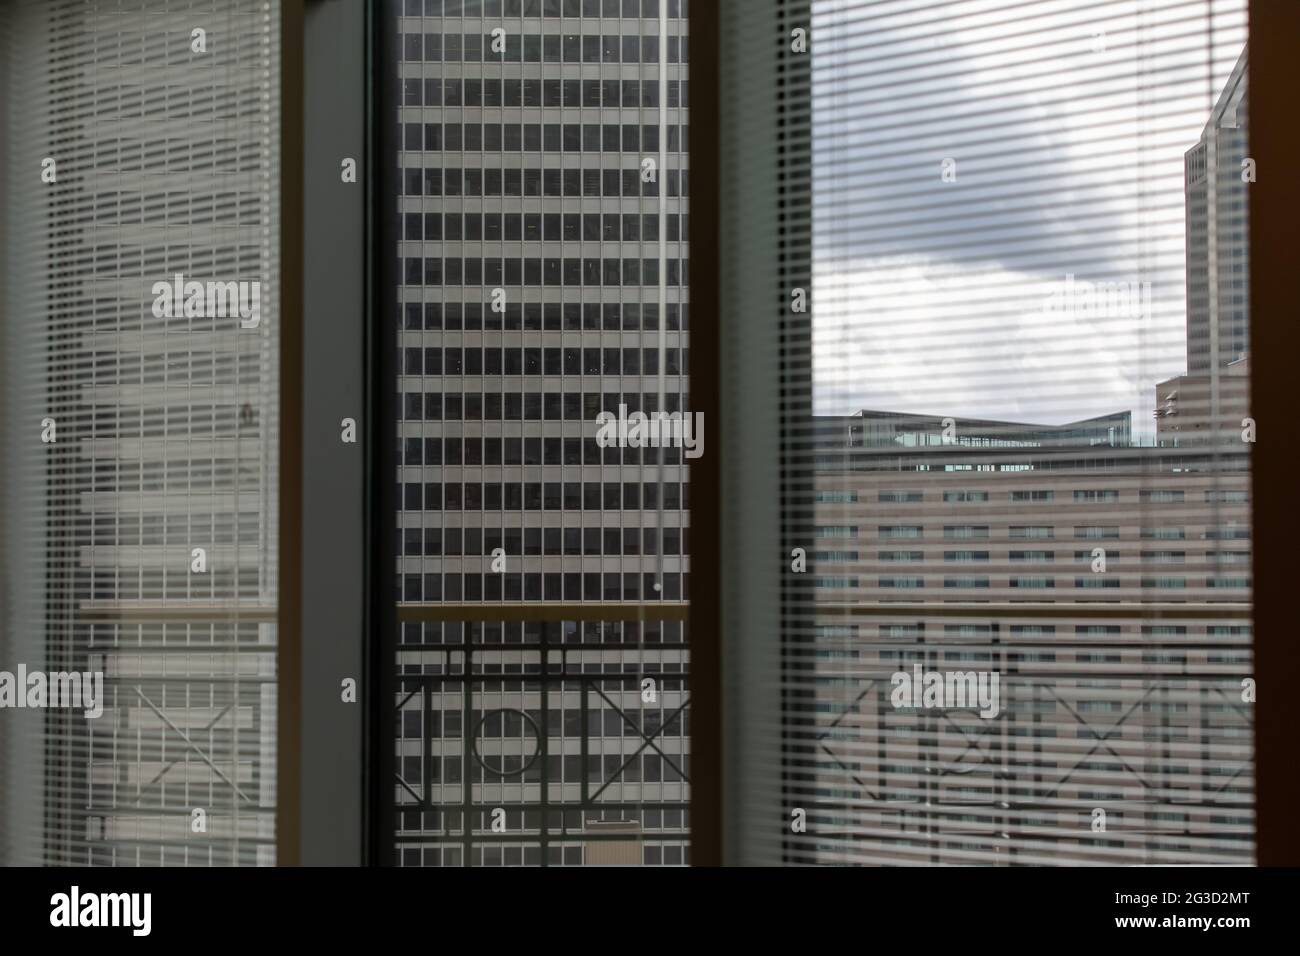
928	296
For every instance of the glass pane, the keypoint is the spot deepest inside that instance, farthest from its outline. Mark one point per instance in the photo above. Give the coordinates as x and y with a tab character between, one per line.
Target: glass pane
140	350
543	571
1030	550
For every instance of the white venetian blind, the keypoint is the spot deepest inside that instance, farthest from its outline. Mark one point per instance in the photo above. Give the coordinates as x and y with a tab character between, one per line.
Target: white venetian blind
165	143
1024	482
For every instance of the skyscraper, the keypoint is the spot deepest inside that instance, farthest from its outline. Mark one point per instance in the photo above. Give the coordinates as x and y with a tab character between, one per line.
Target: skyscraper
542	655
152	558
1216	173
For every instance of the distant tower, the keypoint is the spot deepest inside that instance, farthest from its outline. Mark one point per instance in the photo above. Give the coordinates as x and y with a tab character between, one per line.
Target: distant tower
1217	267
543	247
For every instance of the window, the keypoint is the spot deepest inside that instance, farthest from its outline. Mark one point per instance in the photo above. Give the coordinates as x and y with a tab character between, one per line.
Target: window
154	568
1226	496
836	497
1095	495
1164	557
1032	557
521	503
836	531
900	497
984	376
900	531
977	383
835	583
1161	495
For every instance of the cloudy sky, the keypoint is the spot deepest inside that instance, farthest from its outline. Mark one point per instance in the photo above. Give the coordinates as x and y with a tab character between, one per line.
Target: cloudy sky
938	287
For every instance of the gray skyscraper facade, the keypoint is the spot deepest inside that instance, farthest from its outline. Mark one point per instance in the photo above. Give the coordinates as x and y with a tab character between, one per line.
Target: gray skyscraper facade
542	713
1217	173
146	146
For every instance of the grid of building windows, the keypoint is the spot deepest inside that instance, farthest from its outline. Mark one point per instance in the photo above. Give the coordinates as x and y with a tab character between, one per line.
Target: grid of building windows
543	265
1117	619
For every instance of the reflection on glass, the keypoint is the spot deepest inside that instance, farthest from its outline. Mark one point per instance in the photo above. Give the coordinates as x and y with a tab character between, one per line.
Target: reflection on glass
1031	551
